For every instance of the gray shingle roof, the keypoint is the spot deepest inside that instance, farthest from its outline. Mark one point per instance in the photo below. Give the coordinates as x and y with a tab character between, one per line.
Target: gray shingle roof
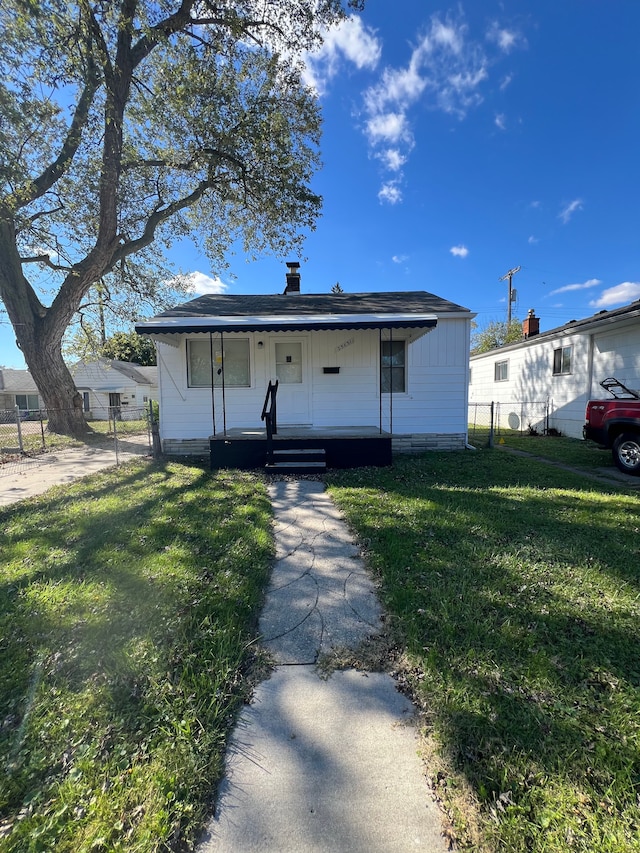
265	305
598	321
17	381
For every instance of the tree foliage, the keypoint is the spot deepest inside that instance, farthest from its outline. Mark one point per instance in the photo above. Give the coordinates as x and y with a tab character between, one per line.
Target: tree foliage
128	346
496	333
127	125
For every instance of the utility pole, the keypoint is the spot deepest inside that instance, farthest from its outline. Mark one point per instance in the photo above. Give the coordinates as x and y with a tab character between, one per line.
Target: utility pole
510	276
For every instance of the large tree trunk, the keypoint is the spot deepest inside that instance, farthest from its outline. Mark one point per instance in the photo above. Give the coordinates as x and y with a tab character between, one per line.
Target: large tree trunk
56	386
39	332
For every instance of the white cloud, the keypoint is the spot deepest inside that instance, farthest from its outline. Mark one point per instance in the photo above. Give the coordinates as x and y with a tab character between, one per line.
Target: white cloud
402	87
628	291
459	251
392	159
202	284
349	42
501	121
446	35
532	240
506	39
390	192
445	71
506	80
400	259
389	127
568	288
569	209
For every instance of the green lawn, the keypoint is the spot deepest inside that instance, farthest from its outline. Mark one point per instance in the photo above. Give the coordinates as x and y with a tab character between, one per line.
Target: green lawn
127	617
514	589
570	451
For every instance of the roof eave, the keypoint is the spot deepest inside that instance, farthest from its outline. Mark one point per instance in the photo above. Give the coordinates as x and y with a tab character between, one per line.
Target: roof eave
190	325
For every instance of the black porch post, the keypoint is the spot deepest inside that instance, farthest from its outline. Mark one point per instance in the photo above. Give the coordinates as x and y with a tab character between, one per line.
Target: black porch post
391	382
213	396
380	369
224	401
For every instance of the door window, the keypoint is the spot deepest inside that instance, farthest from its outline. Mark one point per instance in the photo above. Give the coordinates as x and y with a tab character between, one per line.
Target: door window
289	363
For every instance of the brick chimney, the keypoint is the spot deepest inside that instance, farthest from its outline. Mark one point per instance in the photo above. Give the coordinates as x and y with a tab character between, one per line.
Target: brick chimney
531	326
293	278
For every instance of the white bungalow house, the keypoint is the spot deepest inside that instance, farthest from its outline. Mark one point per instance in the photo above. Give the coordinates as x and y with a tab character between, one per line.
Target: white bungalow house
17	388
562	368
357	373
114	387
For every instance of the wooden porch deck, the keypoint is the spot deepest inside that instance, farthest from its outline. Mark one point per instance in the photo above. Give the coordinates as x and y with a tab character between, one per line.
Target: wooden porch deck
340	447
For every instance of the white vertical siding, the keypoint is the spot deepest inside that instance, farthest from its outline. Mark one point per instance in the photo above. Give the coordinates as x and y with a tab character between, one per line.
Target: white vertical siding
616	354
594	357
435	401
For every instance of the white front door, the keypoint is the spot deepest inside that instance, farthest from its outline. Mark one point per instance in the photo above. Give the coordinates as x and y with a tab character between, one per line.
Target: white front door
290	368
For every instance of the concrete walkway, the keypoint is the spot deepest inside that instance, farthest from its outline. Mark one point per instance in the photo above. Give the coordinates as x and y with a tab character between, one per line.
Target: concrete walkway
321	765
35	475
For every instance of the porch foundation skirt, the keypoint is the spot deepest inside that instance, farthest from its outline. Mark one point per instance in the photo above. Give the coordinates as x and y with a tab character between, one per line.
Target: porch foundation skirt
399	444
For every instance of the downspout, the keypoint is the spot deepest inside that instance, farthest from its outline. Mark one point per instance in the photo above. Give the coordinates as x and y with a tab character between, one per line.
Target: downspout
589	389
213	396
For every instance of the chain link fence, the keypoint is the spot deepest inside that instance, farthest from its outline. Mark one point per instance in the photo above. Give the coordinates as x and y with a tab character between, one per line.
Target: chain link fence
25	437
488	421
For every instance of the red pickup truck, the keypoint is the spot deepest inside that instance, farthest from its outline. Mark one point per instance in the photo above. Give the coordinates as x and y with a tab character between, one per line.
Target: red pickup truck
615	423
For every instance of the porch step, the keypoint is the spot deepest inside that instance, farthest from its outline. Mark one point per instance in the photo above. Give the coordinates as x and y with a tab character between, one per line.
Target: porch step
301	452
298	460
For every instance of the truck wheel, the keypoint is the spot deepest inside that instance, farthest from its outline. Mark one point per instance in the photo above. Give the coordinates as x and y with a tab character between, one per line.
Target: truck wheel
626	452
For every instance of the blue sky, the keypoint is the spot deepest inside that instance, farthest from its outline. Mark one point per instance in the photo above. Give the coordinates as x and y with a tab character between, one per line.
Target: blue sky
461	141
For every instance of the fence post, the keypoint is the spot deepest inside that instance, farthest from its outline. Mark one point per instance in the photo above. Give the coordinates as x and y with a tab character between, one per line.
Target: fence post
156	447
112	411
491	426
44	446
546	428
19	428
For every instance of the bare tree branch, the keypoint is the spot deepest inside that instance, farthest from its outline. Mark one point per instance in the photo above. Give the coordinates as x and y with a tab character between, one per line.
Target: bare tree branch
43	183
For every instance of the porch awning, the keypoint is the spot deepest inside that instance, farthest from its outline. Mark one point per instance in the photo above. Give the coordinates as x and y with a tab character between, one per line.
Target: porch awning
288	323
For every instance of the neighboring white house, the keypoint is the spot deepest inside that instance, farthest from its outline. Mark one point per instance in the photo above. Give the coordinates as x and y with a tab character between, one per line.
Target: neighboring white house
393	363
562	367
116	387
17	388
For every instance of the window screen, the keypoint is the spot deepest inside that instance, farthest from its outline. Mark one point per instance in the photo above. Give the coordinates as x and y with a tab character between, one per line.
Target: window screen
562	360
393	367
234	358
501	371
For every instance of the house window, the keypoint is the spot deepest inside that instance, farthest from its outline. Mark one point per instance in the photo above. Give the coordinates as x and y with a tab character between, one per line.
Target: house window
234	357
501	371
561	360
27	402
86	402
393	359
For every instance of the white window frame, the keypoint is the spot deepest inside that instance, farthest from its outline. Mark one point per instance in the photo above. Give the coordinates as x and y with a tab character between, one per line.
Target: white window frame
497	368
202	350
563	356
28	398
387	369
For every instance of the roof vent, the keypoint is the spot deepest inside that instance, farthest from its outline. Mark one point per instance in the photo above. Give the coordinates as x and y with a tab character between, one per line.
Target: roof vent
293	278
